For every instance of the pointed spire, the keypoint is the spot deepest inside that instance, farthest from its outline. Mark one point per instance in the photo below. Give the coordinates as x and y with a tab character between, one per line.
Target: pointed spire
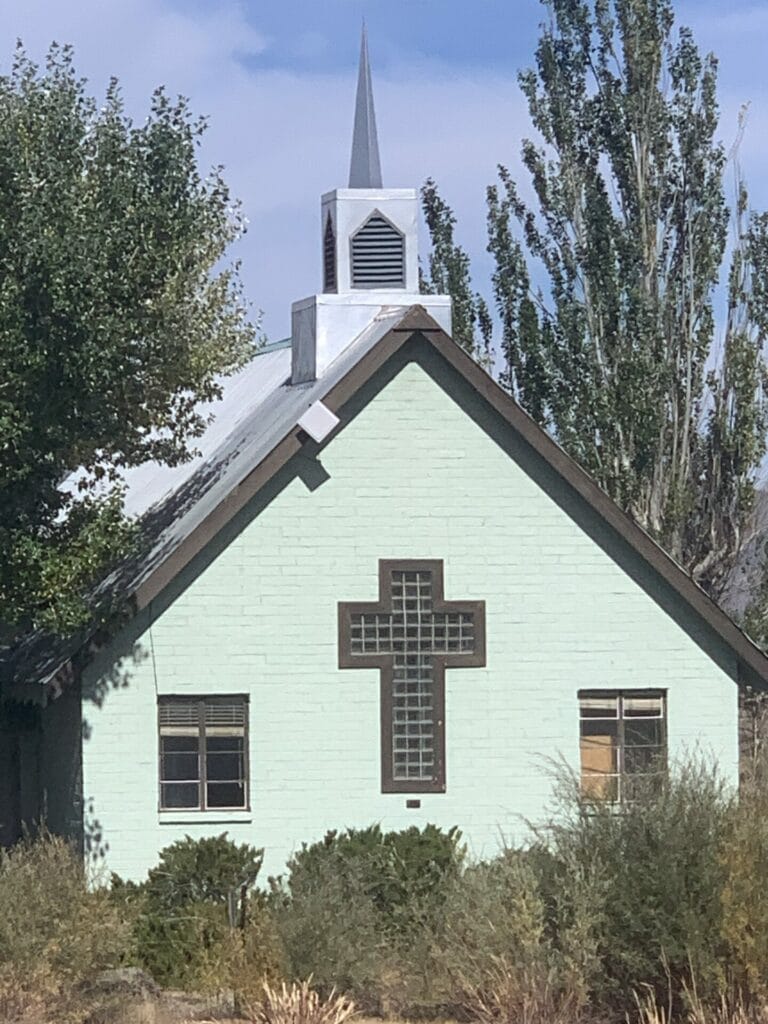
365	167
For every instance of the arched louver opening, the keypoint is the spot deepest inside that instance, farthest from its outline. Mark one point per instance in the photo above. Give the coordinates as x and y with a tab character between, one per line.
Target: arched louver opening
378	255
329	257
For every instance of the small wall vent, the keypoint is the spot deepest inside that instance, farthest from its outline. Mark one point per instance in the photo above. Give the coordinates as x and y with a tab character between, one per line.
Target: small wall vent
378	255
329	257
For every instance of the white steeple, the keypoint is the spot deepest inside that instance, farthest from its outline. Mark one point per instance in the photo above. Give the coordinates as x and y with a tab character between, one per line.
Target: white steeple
370	251
365	165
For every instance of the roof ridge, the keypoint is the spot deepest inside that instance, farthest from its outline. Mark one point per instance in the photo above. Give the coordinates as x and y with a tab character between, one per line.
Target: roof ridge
273	346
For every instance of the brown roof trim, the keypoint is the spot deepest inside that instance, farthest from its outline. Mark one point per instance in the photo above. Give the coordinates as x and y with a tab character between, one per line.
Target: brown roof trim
417	320
237	498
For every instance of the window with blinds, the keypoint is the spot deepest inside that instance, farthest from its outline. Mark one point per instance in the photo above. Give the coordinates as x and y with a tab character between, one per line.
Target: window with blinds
623	743
203	753
378	255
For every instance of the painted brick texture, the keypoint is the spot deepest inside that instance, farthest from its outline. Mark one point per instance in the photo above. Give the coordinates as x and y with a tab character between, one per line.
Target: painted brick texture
412	476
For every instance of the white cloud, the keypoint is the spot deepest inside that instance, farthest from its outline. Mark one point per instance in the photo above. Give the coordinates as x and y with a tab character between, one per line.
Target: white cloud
143	42
284	137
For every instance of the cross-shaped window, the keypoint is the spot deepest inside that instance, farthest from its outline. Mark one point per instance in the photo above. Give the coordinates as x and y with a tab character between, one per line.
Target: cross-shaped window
412	634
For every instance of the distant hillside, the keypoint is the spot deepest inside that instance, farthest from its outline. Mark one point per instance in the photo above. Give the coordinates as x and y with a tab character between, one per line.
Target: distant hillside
745	575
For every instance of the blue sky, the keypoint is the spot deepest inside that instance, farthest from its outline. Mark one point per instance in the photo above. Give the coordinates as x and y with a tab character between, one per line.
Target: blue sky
277	79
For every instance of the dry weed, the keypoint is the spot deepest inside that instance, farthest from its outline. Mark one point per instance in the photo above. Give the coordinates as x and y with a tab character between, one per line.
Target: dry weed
299	1003
731	1008
514	995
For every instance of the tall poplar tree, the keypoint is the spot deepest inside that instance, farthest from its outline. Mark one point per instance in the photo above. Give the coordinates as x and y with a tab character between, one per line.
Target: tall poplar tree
449	274
606	285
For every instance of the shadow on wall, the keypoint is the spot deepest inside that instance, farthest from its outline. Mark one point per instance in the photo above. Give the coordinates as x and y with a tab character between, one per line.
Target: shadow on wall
110	671
95	846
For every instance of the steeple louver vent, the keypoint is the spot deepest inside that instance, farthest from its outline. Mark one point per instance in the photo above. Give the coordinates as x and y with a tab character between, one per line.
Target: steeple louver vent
329	257
378	255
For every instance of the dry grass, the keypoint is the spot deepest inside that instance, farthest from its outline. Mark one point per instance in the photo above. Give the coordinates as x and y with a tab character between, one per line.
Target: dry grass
730	1009
522	996
56	934
299	1003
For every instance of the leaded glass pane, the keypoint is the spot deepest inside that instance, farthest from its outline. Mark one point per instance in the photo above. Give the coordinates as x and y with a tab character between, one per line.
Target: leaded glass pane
411	634
412	718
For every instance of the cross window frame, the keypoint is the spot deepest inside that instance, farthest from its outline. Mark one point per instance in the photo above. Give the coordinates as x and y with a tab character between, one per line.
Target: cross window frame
200	730
385	664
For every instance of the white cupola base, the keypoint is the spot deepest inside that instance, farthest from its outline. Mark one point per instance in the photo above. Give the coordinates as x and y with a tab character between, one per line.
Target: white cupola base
322	326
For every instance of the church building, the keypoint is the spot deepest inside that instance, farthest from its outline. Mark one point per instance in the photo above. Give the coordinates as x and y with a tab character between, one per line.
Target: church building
381	593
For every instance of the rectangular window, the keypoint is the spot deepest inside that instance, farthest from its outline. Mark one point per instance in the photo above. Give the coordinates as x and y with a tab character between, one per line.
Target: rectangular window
203	753
623	742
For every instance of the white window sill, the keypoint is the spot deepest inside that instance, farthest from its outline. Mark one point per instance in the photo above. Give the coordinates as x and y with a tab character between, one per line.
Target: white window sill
222	817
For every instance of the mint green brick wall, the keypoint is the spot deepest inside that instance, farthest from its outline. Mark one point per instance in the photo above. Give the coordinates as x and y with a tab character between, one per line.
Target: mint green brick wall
411	476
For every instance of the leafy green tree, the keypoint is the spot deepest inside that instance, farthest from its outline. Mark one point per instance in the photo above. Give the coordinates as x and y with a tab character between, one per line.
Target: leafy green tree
605	284
117	316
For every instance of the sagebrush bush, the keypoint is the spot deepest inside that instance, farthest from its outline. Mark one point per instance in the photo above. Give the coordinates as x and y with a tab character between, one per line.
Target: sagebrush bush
358	910
331	930
244	958
654	912
502	945
58	929
661	876
744	859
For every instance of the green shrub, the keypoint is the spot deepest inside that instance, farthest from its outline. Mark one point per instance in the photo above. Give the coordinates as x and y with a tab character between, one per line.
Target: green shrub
183	934
397	870
203	870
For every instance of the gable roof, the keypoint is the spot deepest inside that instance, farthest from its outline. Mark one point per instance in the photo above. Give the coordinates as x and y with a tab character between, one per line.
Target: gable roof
257	432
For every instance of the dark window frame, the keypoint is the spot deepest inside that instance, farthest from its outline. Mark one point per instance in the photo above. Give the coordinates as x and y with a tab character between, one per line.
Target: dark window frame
620	695
202	782
385	664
